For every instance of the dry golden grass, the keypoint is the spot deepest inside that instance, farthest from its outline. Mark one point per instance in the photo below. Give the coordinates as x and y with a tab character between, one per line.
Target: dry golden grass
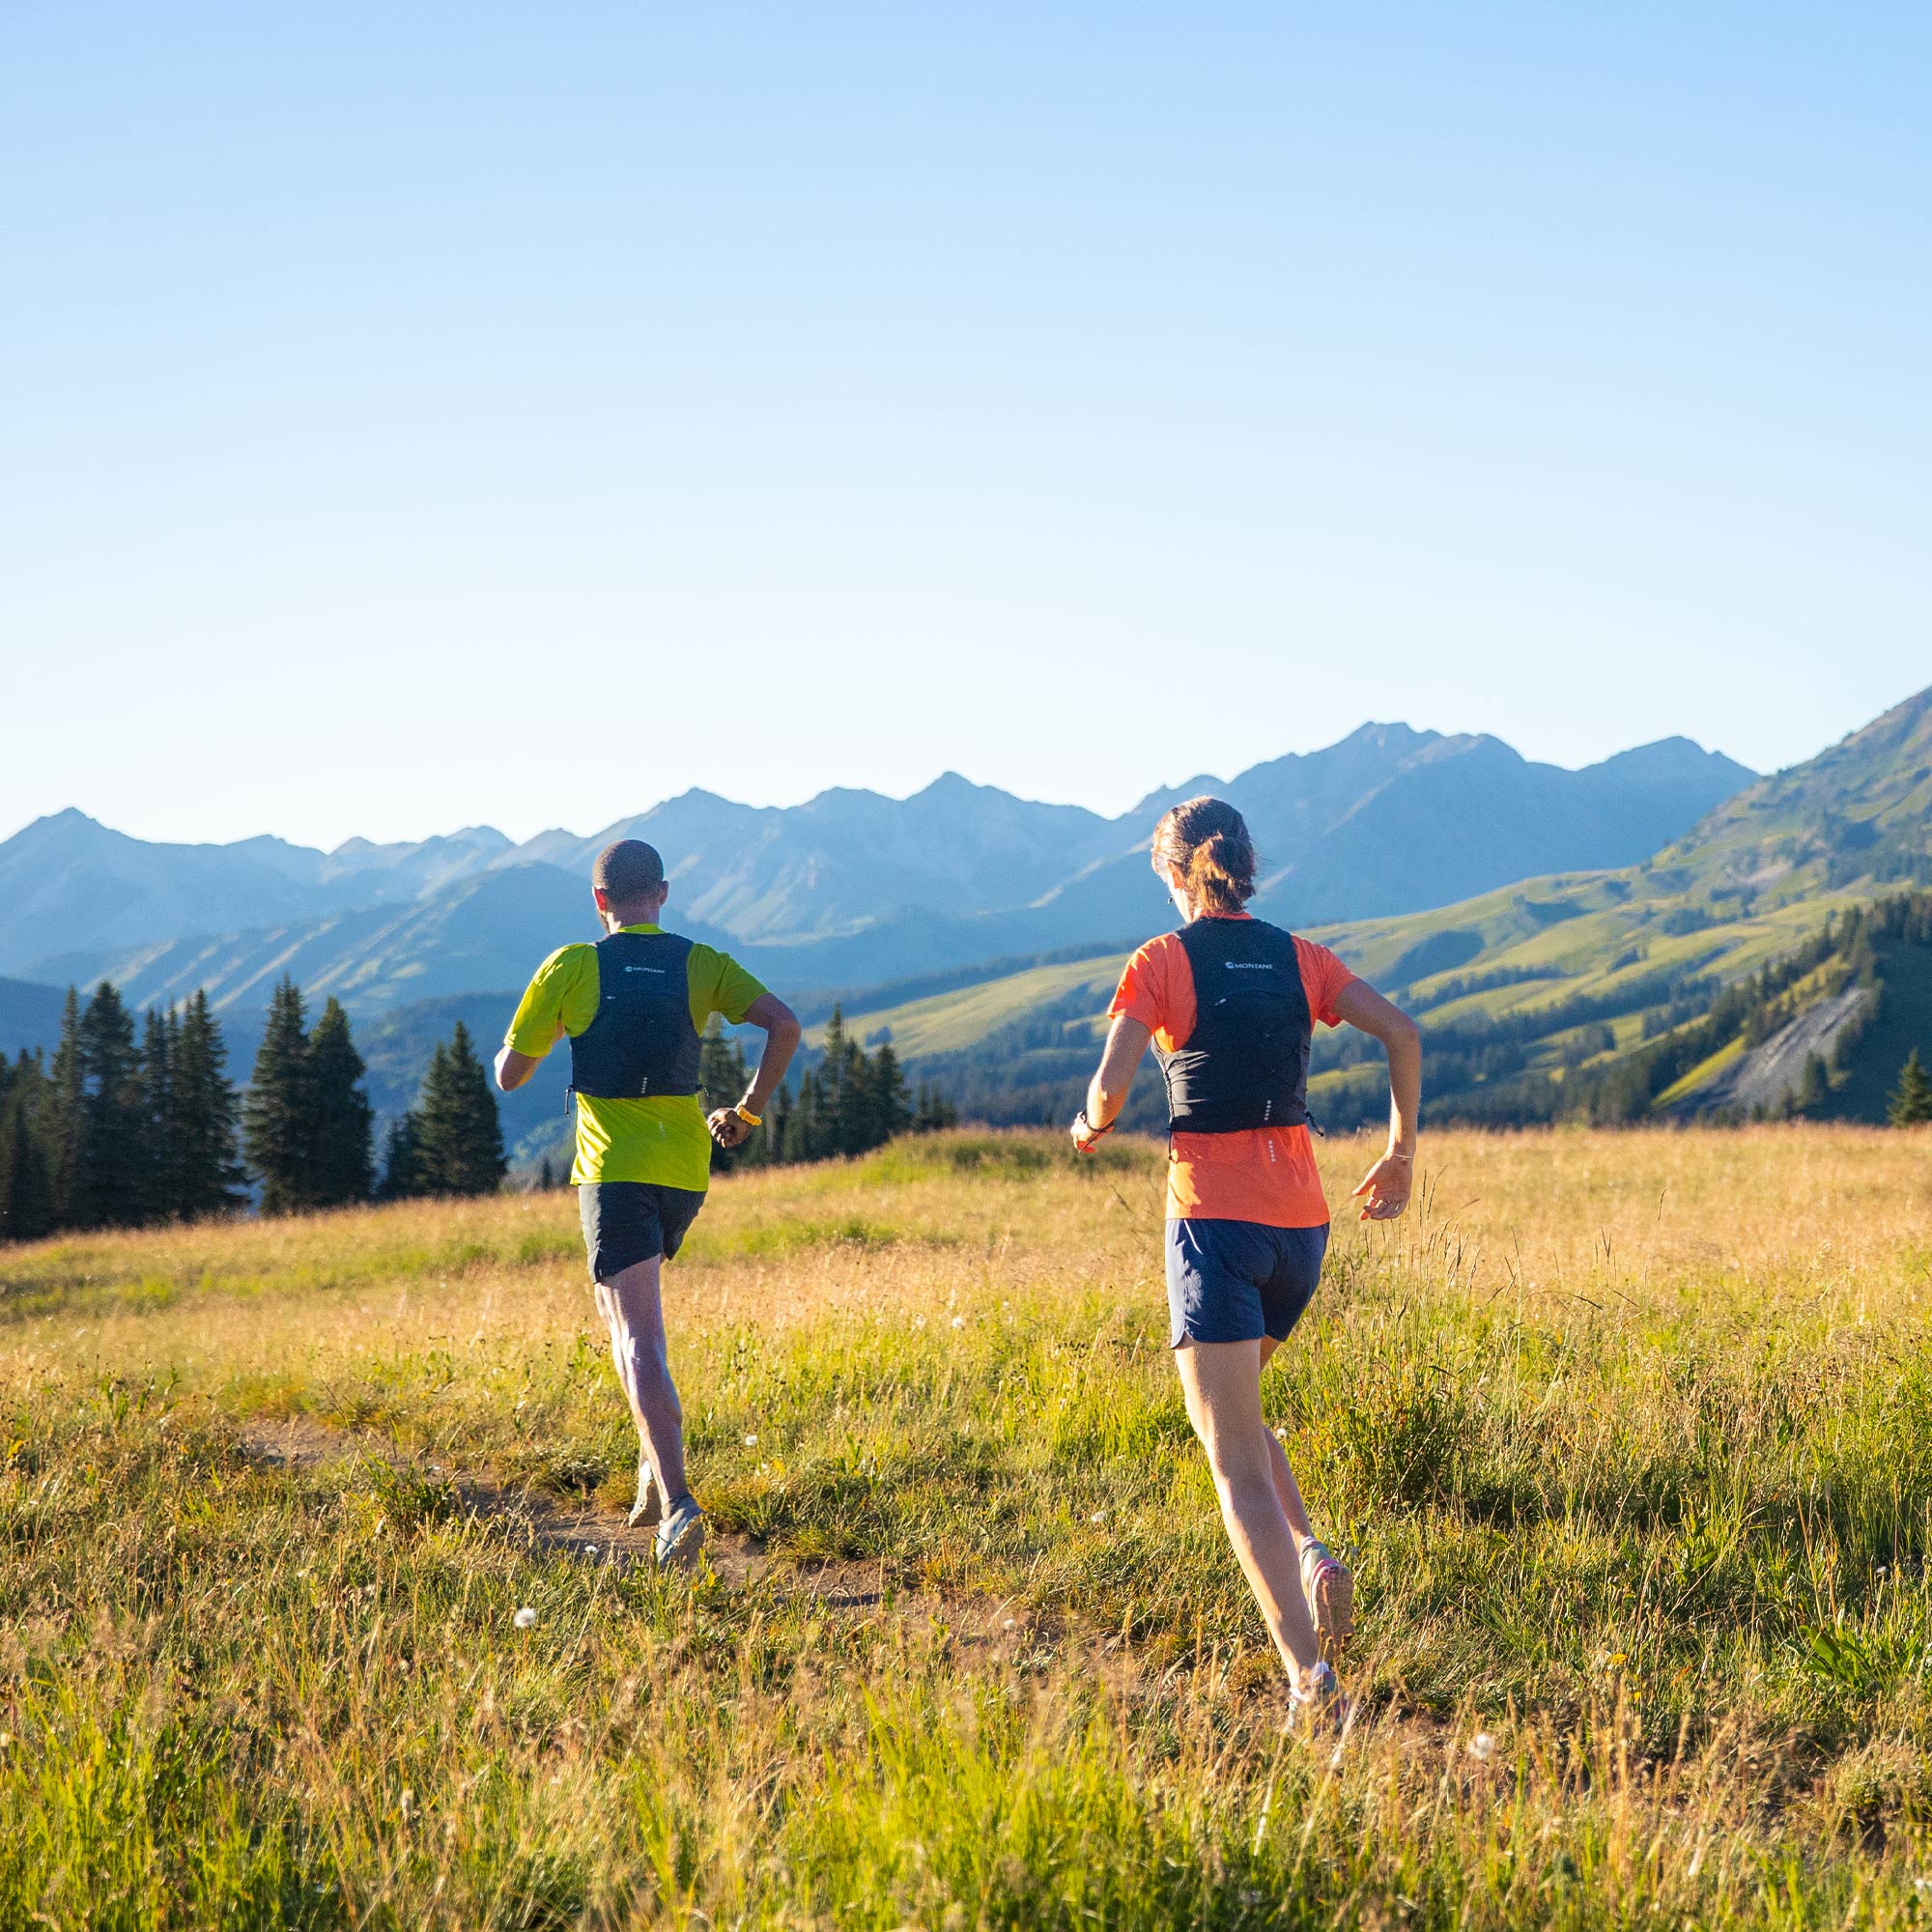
1631	1436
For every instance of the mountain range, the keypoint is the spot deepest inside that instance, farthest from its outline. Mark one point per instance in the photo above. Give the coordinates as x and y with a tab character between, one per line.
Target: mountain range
1548	924
1585	976
850	887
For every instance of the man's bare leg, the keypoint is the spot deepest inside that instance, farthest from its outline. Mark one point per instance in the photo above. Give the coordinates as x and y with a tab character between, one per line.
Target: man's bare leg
629	1302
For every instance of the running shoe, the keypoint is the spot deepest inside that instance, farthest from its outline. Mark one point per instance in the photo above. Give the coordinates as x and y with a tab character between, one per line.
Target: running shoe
680	1534
1329	1586
1317	1707
646	1510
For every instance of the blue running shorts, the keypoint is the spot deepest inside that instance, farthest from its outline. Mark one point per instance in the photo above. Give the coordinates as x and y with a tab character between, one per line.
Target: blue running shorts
1237	1281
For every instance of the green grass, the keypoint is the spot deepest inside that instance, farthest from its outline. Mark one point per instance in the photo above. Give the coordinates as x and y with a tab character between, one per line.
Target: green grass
1705	1071
1630	1437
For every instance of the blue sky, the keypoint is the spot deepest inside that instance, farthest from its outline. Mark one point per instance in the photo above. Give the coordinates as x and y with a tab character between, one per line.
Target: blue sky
423	417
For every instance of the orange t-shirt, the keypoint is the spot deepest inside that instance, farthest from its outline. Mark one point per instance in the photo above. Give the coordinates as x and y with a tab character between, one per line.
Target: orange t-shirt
1264	1173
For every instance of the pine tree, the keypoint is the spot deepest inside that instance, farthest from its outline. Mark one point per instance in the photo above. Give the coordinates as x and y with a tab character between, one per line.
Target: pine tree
778	1125
805	1137
109	1189
834	1113
342	1121
1911	1104
205	1177
402	1158
546	1174
278	1133
890	1116
460	1136
159	1112
723	1076
26	1177
61	1114
1814	1089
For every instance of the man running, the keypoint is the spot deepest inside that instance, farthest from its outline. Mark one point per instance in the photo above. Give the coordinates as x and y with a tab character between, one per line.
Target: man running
634	1006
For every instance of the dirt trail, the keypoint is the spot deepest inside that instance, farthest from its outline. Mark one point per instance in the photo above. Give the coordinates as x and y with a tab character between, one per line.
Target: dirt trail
980	1623
595	1534
586	1530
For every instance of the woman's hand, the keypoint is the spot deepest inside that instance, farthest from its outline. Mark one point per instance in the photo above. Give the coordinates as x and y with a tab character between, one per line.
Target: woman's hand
1386	1184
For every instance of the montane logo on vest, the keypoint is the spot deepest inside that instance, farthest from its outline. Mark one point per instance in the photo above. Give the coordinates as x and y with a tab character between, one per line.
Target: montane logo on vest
1247	966
658	970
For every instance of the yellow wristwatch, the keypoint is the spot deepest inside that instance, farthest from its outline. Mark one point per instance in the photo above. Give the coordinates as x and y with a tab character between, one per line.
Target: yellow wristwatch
750	1118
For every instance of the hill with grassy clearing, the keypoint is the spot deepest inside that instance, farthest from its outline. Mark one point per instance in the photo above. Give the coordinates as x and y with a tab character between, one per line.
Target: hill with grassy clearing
1561	995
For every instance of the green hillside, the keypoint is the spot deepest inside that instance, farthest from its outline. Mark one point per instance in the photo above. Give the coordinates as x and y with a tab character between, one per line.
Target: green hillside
1859	813
1703	979
1592	1015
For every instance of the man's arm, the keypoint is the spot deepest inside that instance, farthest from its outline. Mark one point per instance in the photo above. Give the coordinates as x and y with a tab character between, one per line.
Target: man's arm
728	1125
513	1069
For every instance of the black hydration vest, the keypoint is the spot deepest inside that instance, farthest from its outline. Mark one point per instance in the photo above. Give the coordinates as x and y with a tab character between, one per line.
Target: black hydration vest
641	1041
1245	1065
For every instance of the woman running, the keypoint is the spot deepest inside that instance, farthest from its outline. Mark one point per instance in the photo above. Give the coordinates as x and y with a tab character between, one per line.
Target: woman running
1229	1003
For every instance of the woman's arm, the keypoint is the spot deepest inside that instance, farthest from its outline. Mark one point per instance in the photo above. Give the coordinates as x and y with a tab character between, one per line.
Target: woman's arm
1107	1092
1387	1183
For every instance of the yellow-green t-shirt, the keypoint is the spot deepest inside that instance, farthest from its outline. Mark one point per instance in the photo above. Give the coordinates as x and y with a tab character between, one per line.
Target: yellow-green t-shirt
662	1138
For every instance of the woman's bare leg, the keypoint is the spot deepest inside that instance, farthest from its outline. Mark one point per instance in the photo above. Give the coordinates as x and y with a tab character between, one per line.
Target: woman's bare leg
1285	1485
1222	1384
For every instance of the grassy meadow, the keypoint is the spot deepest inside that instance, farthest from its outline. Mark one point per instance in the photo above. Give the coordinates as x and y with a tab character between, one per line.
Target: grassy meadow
1630	1437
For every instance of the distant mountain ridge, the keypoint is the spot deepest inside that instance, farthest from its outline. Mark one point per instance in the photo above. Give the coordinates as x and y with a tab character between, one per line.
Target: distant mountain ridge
849	888
1606	978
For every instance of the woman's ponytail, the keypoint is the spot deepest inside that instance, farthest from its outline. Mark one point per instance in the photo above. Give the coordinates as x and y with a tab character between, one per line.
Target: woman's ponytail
1207	842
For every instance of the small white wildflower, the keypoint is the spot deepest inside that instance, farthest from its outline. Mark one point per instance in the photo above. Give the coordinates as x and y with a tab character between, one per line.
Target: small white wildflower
590	1550
1099	1516
1922	1887
751	1441
1482	1747
959	1321
1008	1623
524	1618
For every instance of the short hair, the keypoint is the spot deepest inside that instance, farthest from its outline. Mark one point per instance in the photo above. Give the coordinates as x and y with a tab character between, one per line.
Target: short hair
628	871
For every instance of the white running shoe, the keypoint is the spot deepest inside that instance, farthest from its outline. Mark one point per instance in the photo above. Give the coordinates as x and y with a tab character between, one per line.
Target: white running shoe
680	1534
646	1510
1317	1707
1329	1586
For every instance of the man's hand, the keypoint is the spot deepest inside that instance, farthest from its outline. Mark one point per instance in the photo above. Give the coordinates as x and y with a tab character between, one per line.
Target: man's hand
728	1128
1086	1138
1386	1184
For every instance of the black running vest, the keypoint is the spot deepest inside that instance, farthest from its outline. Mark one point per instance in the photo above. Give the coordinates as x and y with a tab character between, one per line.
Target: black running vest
1245	1065
642	1040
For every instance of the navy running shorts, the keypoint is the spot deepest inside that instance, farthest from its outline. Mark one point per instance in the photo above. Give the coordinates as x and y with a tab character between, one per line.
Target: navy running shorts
626	1222
1237	1281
